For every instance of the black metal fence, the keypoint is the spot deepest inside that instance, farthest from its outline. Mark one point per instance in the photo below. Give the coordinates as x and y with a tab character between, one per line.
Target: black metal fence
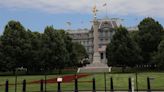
109	84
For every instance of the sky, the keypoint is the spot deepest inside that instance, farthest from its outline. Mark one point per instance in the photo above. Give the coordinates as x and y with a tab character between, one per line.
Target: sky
37	14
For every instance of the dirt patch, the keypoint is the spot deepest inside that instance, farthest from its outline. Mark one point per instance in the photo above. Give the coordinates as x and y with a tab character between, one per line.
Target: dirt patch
66	79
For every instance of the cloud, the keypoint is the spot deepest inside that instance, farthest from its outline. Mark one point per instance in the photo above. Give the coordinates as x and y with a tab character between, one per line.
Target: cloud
118	7
139	7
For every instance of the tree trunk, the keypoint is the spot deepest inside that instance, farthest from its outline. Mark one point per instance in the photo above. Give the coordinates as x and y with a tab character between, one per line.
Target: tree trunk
123	69
13	71
60	71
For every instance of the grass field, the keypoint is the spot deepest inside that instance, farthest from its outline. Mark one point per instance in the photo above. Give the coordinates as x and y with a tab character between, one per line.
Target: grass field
120	82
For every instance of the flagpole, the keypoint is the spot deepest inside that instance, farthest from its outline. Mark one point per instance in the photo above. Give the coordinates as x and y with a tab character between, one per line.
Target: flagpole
106	11
106	8
69	25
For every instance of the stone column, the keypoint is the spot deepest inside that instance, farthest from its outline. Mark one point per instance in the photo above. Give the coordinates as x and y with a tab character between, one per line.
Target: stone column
95	35
96	55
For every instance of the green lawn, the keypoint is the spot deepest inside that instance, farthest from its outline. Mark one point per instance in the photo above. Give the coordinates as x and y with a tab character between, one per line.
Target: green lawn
120	82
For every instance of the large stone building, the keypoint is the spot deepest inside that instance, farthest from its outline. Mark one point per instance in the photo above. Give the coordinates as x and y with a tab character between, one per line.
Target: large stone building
106	31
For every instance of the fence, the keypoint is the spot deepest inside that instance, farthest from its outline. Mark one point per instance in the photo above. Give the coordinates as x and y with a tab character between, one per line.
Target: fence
94	82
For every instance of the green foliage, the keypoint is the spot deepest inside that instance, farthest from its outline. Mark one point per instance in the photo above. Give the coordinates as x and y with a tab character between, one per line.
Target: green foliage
162	35
149	37
1	56
69	47
122	51
54	49
37	52
79	52
34	53
133	35
14	41
159	56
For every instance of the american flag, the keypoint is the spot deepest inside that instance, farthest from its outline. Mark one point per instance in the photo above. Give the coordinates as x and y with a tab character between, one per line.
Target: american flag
69	23
105	4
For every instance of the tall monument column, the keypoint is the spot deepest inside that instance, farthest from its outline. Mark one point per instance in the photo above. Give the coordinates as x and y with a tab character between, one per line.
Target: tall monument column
95	35
96	65
96	54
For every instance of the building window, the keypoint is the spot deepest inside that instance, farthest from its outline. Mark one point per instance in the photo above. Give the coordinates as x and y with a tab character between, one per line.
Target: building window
102	55
101	40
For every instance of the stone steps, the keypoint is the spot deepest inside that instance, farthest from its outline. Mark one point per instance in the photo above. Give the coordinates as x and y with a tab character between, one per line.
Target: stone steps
94	70
97	64
95	67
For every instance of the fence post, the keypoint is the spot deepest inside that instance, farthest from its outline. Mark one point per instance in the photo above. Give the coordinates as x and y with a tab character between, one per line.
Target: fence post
59	87
105	81
94	84
7	86
41	85
136	81
111	84
148	85
16	82
45	81
76	84
130	84
24	86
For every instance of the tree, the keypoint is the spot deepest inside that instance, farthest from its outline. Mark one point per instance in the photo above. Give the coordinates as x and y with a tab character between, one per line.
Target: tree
122	51
54	49
162	35
149	37
1	57
80	53
159	57
76	51
36	51
33	55
13	44
68	45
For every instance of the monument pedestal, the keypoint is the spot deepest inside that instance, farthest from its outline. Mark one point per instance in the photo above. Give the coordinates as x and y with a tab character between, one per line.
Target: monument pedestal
96	66
96	57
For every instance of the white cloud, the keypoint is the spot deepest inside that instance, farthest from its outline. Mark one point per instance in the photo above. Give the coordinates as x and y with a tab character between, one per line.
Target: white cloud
118	7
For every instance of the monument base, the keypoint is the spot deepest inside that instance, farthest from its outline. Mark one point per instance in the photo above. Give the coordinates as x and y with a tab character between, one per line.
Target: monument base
95	68
96	57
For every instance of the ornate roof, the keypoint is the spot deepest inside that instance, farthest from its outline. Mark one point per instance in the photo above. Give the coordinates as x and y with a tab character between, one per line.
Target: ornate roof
109	23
